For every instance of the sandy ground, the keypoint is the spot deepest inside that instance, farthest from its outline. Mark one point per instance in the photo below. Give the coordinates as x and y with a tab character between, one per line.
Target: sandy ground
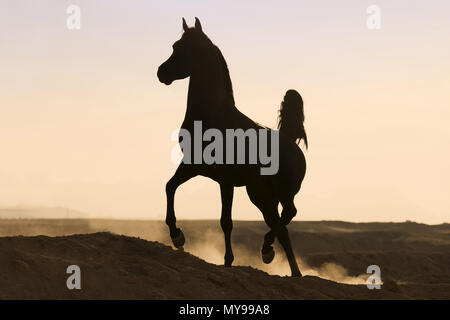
414	261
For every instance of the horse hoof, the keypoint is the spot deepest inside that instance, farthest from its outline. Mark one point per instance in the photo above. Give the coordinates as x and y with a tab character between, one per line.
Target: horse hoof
297	274
178	240
268	255
228	261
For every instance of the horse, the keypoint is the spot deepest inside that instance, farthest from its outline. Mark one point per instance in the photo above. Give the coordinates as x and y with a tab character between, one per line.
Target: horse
211	101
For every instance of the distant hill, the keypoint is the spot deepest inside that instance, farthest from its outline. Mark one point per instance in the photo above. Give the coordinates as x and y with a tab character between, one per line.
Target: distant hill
29	212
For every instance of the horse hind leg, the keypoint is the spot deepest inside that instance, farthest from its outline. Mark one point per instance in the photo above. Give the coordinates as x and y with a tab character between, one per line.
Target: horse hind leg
288	213
270	214
285	241
280	230
289	210
272	219
269	208
267	204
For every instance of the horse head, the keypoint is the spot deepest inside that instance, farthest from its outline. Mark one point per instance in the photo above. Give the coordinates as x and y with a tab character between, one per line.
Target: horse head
187	52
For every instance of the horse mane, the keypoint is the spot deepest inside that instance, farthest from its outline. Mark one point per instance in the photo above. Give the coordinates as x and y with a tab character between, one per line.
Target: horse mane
220	60
226	74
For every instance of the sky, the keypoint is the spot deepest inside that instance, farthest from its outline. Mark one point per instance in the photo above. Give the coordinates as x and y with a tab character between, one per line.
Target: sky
85	123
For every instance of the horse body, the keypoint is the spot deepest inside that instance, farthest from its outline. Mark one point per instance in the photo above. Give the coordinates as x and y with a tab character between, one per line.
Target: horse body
211	101
292	161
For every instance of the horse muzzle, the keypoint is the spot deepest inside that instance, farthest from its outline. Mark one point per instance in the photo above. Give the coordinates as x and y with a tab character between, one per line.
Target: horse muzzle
162	76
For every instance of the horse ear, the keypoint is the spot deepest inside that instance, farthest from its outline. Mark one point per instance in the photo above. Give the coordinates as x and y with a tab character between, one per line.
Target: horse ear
198	26
185	26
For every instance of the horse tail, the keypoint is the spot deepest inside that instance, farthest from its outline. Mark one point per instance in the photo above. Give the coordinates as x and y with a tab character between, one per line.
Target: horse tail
291	117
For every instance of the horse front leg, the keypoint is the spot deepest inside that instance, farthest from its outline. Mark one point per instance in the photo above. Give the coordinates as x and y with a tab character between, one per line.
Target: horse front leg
226	192
182	174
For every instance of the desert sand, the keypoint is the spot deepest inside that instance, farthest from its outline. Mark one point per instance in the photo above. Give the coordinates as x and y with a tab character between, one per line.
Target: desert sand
140	263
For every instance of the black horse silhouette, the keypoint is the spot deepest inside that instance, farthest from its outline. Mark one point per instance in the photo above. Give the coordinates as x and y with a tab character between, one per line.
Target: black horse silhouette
210	100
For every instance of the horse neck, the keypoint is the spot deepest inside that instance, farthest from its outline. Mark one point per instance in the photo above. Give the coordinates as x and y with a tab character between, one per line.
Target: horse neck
208	96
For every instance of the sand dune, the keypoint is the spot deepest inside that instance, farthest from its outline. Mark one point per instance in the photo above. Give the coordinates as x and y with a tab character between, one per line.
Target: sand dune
413	258
119	267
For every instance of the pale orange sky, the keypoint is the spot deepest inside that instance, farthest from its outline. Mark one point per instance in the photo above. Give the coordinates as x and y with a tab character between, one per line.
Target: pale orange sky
85	124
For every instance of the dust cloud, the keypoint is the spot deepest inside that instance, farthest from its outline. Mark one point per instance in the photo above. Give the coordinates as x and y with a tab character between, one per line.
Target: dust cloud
209	246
